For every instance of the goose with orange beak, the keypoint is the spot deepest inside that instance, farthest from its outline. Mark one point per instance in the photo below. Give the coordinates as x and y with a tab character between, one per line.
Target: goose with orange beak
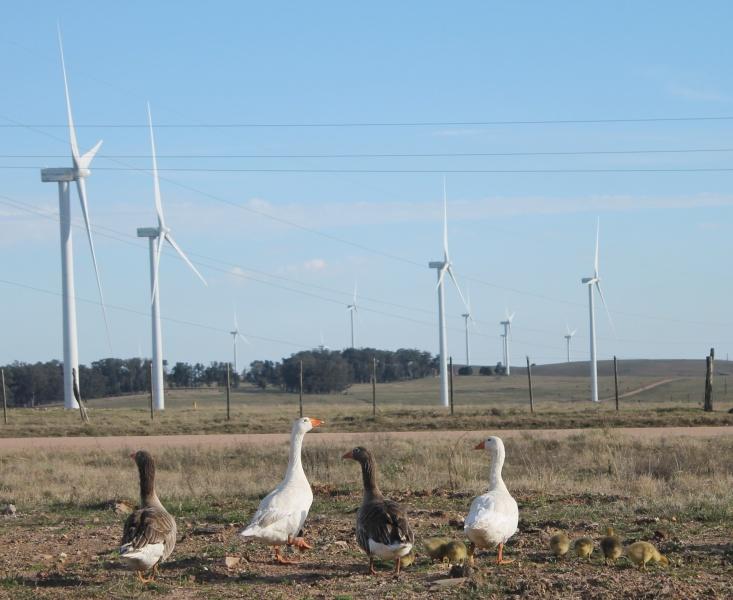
282	513
494	516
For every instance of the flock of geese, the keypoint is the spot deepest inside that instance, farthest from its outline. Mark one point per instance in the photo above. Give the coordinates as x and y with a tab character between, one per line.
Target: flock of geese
382	526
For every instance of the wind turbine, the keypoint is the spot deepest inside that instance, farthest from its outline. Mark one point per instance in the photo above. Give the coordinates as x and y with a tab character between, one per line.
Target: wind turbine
353	309
466	317
64	176
235	334
156	236
442	267
568	337
507	324
590	282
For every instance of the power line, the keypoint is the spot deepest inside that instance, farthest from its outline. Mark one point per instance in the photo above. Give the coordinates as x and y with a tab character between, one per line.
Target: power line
359	124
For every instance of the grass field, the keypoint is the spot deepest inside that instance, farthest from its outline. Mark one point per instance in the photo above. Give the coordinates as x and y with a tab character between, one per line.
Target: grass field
480	403
677	493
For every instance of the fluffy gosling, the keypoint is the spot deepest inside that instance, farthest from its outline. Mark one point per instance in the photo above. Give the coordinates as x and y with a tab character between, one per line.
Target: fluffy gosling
640	553
434	547
455	552
559	544
584	547
611	546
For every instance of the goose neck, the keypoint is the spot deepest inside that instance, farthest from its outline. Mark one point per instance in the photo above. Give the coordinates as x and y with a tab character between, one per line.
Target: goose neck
369	478
495	468
295	463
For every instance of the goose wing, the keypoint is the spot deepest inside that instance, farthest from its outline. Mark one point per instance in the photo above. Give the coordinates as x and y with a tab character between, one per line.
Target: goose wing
148	526
384	522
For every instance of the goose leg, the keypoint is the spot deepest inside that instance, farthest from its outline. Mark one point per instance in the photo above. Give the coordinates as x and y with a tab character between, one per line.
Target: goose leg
143	579
397	565
371	566
299	543
281	560
500	560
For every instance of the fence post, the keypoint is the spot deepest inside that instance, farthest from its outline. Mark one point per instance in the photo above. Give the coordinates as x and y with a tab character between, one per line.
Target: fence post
529	377
5	400
615	379
709	364
450	379
300	396
374	387
228	386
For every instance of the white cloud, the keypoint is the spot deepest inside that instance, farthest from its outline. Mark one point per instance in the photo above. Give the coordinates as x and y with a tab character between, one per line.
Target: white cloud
314	264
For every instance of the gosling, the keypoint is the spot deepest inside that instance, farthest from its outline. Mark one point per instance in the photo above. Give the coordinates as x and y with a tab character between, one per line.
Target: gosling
434	547
640	553
584	547
407	560
455	552
559	544
611	546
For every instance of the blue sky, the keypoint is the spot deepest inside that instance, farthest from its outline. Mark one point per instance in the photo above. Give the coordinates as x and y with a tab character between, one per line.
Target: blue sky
287	247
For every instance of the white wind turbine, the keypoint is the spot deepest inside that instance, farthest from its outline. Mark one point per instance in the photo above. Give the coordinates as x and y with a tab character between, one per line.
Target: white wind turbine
507	324
156	236
235	334
64	176
590	282
353	309
568	336
466	317
442	267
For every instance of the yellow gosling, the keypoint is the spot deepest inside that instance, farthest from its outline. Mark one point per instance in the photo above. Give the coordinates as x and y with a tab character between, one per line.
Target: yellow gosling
640	553
434	547
559	544
406	561
611	546
455	552
584	547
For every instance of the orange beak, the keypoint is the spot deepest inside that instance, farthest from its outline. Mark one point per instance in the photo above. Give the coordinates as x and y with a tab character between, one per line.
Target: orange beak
480	446
349	454
316	422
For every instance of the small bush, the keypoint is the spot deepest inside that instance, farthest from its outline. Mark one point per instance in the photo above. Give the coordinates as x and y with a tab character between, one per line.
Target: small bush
485	371
465	371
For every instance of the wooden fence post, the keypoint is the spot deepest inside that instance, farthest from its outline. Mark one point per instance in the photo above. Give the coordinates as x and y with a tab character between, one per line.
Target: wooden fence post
228	386
374	387
529	377
450	380
5	400
709	365
300	396
615	379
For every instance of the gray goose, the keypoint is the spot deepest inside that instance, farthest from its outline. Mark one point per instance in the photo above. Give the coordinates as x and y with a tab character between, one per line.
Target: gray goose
382	530
149	535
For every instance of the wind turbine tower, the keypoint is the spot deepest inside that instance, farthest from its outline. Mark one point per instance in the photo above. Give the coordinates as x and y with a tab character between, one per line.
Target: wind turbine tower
64	176
568	336
156	236
442	267
595	280
353	309
235	334
466	317
507	324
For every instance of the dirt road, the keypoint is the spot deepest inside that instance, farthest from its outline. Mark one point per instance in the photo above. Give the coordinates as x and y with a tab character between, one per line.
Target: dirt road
323	437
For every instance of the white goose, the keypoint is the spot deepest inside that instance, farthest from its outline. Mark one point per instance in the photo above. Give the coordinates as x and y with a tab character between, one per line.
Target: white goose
494	516
283	511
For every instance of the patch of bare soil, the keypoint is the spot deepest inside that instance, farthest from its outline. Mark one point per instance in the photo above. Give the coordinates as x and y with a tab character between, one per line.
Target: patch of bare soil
50	555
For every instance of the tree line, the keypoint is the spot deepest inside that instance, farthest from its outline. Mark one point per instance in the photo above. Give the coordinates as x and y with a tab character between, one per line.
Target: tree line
324	371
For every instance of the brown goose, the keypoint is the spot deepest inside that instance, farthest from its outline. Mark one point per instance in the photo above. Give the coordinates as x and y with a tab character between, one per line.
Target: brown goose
150	532
382	529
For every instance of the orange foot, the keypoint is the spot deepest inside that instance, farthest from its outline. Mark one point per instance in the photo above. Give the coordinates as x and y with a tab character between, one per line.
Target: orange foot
371	567
281	560
299	543
500	560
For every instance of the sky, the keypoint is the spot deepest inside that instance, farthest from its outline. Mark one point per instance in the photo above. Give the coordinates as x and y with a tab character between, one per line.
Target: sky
282	130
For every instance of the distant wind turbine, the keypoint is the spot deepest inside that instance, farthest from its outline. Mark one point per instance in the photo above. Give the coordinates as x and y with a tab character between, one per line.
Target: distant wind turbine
467	316
568	337
353	309
156	236
64	176
442	267
235	334
591	282
507	324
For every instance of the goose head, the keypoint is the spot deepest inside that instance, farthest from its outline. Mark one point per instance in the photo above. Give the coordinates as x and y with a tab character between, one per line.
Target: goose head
305	424
359	454
493	445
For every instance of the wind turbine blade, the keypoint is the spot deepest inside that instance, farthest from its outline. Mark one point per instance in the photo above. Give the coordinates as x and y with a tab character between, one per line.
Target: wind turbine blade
595	263
608	314
441	277
460	293
156	182
445	221
244	339
236	324
156	268
81	188
573	332
72	131
86	159
177	248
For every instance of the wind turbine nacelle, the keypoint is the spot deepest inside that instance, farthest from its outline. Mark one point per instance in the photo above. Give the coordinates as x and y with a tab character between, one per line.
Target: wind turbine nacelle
587	280
60	174
148	232
436	264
